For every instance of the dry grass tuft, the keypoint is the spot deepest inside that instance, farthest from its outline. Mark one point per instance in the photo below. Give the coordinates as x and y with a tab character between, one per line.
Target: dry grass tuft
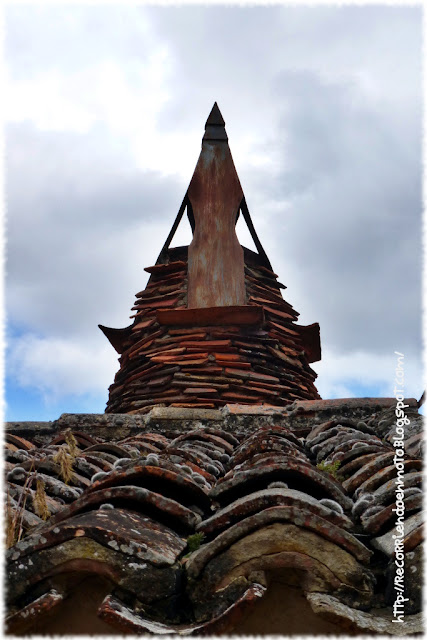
15	515
11	523
65	461
39	502
73	448
66	456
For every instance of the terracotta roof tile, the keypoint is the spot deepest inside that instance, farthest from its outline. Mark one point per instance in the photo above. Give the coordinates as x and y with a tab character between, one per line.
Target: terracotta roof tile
244	490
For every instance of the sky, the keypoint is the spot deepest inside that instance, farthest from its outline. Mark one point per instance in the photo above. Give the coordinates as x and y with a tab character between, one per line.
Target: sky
104	115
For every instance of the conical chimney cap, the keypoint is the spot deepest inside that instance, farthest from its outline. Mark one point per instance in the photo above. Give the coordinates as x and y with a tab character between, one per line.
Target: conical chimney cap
215	126
215	117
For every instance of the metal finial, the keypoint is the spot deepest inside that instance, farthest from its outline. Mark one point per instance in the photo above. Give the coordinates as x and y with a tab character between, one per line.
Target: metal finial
215	126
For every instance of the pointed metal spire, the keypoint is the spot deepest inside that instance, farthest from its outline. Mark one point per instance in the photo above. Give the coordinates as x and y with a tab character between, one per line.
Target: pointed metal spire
216	276
215	125
215	117
213	145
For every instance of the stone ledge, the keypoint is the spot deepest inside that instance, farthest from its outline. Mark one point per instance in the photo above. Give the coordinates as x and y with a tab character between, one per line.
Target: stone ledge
352	403
178	413
300	416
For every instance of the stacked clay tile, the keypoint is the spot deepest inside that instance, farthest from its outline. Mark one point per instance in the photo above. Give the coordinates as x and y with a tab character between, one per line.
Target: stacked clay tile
210	366
211	327
253	505
191	527
366	467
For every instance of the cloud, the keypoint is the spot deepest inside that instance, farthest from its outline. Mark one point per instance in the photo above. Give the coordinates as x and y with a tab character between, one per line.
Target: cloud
82	223
58	367
357	373
350	184
105	115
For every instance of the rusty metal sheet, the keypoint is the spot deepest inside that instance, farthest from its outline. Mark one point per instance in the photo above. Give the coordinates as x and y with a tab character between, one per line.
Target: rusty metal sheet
216	276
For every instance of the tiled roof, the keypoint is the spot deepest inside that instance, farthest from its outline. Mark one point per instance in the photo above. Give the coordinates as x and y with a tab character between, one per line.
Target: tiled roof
216	467
188	513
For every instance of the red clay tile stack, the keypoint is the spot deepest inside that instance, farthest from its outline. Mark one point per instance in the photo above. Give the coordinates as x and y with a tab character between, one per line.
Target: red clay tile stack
210	366
250	353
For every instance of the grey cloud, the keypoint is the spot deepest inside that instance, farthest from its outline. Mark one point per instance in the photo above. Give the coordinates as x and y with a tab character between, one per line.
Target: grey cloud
79	218
41	38
331	94
231	54
352	233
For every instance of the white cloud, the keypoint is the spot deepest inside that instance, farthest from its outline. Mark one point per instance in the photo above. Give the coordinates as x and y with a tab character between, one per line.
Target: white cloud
106	107
340	373
58	367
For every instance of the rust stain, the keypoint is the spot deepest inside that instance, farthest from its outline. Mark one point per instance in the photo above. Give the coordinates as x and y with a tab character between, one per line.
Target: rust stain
215	257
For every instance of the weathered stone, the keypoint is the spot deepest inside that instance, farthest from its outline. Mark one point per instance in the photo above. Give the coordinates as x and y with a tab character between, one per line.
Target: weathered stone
176	413
253	410
352	620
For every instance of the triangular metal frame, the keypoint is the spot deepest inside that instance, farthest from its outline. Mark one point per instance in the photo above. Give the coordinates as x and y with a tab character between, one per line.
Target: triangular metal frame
243	208
247	217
